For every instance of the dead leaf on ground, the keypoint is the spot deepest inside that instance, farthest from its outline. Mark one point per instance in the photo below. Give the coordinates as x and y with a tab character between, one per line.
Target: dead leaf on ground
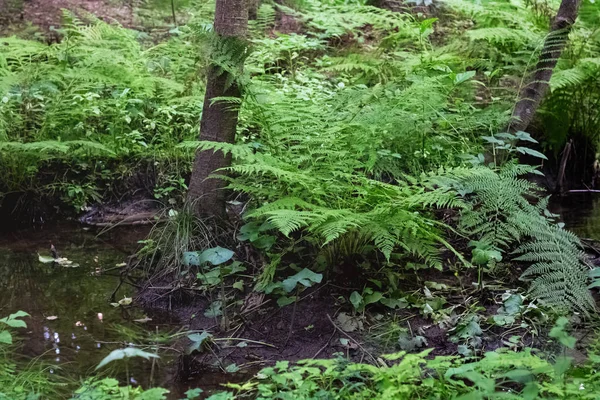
348	323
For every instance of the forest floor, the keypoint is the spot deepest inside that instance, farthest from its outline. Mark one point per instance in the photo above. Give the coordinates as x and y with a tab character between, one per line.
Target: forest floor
45	14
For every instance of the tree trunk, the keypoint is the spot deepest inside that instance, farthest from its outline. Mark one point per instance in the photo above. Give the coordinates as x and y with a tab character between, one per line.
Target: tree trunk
219	119
532	94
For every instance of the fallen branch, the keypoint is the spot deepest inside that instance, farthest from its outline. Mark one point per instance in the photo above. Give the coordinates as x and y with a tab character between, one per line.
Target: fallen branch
326	344
354	340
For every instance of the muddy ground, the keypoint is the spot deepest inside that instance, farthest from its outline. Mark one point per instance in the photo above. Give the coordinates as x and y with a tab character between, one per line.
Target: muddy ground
312	330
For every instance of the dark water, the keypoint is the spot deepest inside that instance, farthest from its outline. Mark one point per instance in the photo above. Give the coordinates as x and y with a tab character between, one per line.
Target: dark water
72	325
580	212
86	327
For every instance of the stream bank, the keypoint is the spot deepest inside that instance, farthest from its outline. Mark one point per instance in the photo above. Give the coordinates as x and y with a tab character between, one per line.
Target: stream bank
73	326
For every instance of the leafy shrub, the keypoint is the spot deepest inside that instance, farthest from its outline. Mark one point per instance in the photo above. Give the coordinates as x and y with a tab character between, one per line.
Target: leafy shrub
97	105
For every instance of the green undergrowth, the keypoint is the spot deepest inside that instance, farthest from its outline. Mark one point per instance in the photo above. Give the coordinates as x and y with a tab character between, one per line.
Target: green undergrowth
83	119
20	379
511	375
369	141
351	142
528	374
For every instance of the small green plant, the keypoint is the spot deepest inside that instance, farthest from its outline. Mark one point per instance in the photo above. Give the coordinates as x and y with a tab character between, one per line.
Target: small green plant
215	257
12	321
295	283
109	389
111	386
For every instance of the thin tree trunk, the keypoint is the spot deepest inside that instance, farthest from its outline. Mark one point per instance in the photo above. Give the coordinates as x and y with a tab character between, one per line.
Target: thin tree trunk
533	93
219	119
560	180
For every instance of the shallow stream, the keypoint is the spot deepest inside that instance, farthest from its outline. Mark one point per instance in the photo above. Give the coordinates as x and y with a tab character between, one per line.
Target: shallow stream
73	326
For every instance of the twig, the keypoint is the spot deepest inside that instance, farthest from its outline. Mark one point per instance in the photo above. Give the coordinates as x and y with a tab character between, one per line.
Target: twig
257	307
243	340
351	338
325	346
293	318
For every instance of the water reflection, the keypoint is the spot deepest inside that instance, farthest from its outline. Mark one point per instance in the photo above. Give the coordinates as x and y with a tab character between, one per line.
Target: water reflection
72	323
580	212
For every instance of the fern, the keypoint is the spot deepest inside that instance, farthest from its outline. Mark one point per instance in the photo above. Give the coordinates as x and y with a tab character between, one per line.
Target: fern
502	215
265	19
559	270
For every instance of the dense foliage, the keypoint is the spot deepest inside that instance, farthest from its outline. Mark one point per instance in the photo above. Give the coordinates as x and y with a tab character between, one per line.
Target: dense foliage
364	134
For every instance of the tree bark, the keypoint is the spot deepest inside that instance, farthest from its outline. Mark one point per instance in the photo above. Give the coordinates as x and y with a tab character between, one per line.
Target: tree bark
219	119
532	94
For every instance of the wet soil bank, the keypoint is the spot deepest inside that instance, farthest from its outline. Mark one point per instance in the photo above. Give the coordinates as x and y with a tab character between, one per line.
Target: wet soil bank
73	325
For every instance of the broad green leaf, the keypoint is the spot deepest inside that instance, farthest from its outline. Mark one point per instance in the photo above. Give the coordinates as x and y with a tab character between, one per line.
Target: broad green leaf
469	330
492	140
153	394
531	152
249	232
463	77
512	305
594	284
356	299
394	303
215	256
408	343
519	375
305	277
373	298
193	394
197	340
503	320
264	242
562	365
525	136
232	268
594	273
5	337
506	135
191	258
559	332
348	323
210	278
231	368
483	256
128	352
283	301
464	350
13	321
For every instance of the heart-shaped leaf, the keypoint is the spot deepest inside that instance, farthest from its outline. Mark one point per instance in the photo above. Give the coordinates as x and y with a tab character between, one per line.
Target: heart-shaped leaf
305	277
128	352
